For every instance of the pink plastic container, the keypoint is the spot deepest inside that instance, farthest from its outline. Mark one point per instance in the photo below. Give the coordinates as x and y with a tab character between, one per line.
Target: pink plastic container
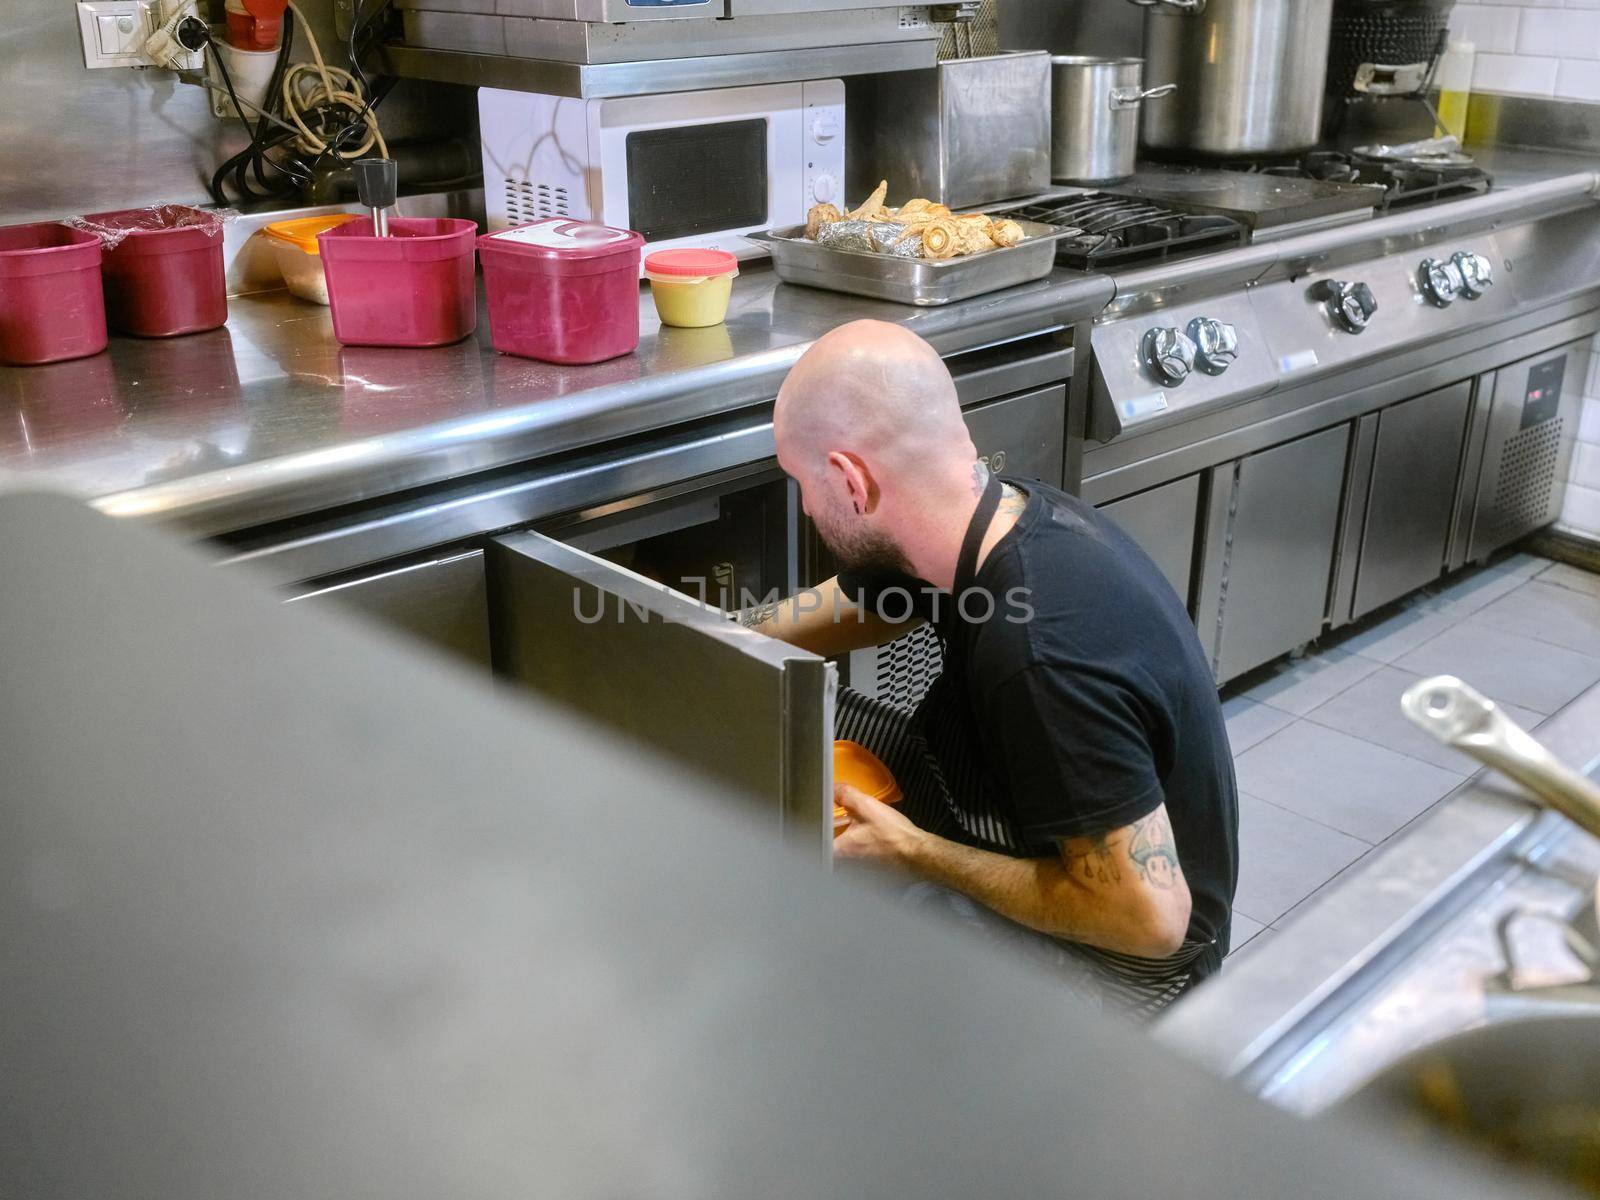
50	302
164	276
414	288
563	291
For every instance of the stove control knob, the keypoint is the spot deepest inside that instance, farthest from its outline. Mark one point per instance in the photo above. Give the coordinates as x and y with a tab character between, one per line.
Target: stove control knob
1440	281
1477	273
1216	344
1169	354
1351	305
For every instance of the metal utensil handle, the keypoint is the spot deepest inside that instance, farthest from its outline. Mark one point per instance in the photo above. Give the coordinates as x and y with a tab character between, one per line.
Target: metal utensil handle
1131	97
1184	6
1460	716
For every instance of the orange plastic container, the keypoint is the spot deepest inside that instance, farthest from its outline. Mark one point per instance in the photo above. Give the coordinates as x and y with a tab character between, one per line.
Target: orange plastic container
294	243
860	768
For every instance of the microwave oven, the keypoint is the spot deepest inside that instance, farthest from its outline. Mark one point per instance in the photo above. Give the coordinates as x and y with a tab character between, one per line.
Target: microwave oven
696	168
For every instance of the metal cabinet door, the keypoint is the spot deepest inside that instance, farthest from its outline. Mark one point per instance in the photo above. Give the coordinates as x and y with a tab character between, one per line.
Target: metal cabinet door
1412	496
664	669
1162	521
442	600
1270	582
1022	436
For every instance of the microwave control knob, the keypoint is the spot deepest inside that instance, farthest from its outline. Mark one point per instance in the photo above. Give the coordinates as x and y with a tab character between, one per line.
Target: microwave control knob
1440	281
1216	344
1169	354
824	129
1351	305
824	188
1477	273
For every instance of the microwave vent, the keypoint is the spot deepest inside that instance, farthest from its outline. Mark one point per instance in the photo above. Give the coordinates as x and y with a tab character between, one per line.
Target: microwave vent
531	202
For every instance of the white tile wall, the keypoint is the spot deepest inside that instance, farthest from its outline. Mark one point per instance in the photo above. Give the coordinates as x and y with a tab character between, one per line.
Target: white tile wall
1581	513
1533	47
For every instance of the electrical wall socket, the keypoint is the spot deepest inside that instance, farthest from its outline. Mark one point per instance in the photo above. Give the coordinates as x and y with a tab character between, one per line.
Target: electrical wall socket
114	31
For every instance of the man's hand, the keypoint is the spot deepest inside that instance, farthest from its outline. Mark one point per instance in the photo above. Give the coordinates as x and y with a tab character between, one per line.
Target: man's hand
878	835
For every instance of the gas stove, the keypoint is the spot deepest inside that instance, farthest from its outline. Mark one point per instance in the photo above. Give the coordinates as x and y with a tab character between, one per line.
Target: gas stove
1118	231
1423	180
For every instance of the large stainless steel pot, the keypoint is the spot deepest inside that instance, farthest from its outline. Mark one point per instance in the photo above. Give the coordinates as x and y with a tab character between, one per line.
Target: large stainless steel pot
1094	113
1251	74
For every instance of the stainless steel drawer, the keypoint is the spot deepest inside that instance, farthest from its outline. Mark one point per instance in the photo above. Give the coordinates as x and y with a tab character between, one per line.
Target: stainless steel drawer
1023	436
442	600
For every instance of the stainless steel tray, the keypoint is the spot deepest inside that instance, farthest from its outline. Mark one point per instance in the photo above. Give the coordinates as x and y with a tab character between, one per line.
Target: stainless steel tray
919	281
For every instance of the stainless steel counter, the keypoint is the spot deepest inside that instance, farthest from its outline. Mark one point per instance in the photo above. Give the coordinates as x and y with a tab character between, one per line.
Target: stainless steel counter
1404	951
271	418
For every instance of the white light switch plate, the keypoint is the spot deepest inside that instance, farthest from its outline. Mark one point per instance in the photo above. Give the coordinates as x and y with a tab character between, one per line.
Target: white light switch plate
114	31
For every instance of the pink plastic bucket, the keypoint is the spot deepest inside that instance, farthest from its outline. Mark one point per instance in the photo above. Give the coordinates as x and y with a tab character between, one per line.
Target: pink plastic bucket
164	276
562	291
50	302
414	288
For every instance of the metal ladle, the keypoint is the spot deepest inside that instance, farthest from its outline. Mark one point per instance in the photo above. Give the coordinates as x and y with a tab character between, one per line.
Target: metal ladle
1460	716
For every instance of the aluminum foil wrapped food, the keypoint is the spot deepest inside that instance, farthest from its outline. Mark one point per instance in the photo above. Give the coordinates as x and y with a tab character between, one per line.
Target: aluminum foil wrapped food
871	237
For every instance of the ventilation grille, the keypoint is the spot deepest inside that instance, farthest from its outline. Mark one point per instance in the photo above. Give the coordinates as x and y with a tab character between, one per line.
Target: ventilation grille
1527	481
530	202
907	666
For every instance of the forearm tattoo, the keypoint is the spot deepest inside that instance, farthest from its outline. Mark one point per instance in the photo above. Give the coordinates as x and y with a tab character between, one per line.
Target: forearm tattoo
1154	852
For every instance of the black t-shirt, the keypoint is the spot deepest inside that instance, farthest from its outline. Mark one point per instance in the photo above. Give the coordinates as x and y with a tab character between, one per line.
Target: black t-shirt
1090	701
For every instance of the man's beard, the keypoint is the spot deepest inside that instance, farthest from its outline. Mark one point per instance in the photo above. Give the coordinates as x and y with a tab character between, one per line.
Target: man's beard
864	552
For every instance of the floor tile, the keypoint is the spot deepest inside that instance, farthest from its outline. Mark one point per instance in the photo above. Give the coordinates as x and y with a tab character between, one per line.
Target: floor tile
1400	631
1371	710
1283	858
1310	902
1506	666
1255	946
1476	588
1568	576
1300	685
1548	612
1348	784
1250	722
1243	929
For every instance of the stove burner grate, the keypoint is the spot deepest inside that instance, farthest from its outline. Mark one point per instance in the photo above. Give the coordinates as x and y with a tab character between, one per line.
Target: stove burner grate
1404	184
1119	231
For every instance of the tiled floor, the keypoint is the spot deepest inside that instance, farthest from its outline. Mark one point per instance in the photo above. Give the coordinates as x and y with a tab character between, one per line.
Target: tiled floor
1328	767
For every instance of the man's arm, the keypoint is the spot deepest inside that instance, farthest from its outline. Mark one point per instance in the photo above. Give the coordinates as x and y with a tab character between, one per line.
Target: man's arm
1123	891
825	621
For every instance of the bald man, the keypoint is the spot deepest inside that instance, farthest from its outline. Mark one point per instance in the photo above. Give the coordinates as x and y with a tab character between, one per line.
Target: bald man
1069	772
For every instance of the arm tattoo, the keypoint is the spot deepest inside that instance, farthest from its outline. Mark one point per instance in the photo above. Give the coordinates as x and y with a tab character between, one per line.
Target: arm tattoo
1012	501
758	614
1154	852
1095	861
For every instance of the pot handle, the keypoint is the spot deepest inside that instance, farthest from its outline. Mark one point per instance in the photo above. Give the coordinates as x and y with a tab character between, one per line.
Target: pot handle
1132	97
1183	6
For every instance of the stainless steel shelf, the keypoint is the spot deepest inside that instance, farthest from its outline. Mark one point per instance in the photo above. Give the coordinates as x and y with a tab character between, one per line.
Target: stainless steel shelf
590	81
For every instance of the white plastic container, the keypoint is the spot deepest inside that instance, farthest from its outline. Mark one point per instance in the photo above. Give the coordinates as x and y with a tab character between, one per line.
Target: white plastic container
294	243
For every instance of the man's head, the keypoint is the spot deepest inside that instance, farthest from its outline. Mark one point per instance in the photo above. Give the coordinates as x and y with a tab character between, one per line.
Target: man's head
869	426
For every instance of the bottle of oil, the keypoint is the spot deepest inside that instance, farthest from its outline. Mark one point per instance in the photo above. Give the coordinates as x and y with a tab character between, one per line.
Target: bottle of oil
1455	88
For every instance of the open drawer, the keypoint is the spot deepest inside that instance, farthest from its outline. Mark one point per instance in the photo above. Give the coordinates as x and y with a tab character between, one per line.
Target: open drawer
663	668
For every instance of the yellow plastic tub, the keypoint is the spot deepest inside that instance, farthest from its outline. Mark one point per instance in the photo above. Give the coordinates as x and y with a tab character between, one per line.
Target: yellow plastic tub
691	288
295	245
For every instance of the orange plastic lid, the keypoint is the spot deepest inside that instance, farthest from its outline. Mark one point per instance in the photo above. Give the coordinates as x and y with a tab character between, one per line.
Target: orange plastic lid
302	231
862	769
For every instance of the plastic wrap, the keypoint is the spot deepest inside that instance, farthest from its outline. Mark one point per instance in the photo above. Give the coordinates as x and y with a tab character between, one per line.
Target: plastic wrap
113	227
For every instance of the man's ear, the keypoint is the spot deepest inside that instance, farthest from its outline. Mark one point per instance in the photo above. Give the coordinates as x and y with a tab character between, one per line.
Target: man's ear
857	478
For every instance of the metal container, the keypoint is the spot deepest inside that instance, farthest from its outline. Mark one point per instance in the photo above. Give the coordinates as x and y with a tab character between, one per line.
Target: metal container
968	132
920	281
1251	73
1094	117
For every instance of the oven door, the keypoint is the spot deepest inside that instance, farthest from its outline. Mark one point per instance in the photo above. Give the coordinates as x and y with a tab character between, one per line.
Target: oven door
661	667
727	163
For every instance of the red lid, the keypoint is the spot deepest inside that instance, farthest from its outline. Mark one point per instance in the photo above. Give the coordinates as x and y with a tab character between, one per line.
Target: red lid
691	262
564	238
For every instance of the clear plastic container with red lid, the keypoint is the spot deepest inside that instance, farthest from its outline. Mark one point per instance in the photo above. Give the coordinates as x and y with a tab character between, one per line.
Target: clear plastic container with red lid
562	291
